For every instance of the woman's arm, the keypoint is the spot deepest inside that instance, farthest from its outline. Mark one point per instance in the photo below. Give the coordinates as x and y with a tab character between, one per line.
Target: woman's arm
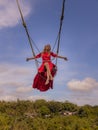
32	58
55	55
62	57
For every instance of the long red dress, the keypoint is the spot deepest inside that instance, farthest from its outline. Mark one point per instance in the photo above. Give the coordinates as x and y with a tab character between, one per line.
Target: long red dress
41	76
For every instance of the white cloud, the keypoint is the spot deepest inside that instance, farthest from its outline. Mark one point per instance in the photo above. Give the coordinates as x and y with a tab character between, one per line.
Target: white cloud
14	98
15	80
84	99
36	97
24	89
15	76
85	85
16	83
9	14
8	98
1	91
83	91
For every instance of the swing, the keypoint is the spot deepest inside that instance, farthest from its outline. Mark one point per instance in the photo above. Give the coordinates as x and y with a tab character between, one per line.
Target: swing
40	78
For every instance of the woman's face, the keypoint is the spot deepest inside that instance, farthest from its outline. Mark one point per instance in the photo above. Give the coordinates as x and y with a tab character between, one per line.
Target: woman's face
48	47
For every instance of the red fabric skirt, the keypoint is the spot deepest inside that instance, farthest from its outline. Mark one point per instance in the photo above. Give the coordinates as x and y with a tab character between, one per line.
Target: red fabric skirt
42	67
40	79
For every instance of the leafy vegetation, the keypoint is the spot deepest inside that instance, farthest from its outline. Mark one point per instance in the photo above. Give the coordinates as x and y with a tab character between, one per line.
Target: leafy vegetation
47	115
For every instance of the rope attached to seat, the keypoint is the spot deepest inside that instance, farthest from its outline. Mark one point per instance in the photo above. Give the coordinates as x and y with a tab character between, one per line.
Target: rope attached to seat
60	28
29	38
26	29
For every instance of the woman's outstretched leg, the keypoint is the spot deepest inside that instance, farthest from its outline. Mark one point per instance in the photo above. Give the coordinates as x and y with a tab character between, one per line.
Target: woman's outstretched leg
49	76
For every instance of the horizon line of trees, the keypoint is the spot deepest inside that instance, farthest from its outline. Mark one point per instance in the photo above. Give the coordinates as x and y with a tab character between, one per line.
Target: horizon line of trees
47	115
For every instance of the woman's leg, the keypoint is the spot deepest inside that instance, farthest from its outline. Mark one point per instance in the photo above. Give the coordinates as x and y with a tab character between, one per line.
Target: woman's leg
49	76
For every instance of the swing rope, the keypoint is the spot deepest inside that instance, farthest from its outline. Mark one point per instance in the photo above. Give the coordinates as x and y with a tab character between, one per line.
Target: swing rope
60	28
26	29
58	36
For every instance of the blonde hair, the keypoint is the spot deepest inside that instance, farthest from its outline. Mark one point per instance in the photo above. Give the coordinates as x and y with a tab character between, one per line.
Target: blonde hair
47	48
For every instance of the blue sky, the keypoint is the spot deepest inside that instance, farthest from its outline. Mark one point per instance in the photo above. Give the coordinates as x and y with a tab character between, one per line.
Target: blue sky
76	79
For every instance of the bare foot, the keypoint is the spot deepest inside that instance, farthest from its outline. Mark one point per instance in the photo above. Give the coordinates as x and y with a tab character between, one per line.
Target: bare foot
47	81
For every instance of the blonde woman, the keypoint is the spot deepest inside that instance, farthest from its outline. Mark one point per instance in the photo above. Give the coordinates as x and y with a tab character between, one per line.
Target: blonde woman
46	61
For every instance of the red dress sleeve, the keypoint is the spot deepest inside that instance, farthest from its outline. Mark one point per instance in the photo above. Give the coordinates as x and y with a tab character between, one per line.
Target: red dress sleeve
38	56
53	54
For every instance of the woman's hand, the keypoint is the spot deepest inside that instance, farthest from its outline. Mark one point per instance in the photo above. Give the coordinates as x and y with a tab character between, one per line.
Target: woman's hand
27	59
65	58
30	58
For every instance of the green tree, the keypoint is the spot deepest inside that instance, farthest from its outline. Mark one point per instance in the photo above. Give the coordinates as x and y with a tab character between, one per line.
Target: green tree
55	106
85	111
44	110
39	103
70	106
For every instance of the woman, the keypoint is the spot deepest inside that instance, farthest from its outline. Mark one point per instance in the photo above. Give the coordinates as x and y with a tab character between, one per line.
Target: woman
46	61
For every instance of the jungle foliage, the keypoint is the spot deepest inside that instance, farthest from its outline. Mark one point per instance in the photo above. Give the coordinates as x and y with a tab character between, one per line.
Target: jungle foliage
47	115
